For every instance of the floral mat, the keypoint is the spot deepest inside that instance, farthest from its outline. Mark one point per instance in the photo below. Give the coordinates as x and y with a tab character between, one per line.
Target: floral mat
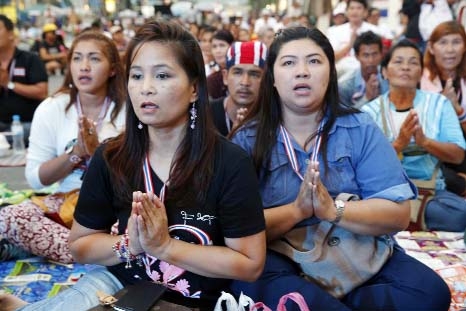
445	252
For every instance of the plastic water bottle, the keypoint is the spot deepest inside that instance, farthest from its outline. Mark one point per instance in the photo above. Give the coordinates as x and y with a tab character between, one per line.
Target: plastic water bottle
17	132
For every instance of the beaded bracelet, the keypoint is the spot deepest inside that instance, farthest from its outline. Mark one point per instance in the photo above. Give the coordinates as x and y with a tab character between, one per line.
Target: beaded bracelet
121	250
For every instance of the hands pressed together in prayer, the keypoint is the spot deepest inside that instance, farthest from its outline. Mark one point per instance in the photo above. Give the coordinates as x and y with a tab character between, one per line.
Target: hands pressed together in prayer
411	128
148	225
87	138
313	198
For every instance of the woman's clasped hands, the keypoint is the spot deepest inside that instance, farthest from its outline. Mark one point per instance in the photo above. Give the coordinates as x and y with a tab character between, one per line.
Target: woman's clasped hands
313	198
148	225
88	140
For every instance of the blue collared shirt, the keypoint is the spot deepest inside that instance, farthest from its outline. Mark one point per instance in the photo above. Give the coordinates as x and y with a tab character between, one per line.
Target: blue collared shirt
360	161
352	88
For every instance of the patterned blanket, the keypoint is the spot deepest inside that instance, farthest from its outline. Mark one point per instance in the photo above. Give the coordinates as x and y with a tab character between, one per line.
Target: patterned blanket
445	252
35	278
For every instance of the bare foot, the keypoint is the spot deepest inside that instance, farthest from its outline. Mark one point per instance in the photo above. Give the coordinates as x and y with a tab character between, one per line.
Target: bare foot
9	302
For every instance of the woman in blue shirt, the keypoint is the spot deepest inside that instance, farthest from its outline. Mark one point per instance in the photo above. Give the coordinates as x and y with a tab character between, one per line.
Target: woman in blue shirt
308	149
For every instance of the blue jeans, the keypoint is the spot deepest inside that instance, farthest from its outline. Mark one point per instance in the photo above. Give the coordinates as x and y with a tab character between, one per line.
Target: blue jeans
403	284
82	296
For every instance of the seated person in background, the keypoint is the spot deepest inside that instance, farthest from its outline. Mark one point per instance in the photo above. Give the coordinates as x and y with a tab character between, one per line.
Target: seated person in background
423	129
186	199
244	64
88	108
23	80
52	50
365	83
221	41
307	149
445	73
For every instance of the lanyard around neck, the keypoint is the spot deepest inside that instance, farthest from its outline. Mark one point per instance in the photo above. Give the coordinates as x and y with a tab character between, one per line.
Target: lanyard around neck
148	184
103	111
290	150
12	70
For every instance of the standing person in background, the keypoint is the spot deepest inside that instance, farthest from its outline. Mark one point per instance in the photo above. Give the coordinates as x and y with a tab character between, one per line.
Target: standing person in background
307	149
205	41
221	41
266	36
433	12
52	50
242	75
120	40
65	131
23	80
365	83
186	199
445	73
266	20
342	36
411	10
373	17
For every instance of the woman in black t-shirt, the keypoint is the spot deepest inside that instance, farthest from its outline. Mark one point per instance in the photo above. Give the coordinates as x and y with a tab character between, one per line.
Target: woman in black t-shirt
186	200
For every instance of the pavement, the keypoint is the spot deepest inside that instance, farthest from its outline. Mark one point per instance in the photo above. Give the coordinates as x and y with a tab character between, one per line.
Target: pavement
14	176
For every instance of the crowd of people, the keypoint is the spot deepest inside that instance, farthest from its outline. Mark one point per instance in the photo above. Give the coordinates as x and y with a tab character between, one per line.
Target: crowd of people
209	161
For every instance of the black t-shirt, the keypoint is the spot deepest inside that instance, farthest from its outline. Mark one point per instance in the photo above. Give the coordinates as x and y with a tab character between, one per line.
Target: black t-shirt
219	116
28	69
233	209
52	48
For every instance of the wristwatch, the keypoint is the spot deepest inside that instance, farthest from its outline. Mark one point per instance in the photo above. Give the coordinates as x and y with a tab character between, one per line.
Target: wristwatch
340	207
75	159
11	85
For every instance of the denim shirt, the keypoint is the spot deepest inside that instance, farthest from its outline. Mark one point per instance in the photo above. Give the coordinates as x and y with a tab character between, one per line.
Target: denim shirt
360	161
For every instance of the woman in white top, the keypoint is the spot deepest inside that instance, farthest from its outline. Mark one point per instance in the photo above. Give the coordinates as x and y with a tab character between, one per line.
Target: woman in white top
65	131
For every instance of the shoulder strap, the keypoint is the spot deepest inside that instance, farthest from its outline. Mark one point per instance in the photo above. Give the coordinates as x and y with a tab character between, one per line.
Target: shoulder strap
382	115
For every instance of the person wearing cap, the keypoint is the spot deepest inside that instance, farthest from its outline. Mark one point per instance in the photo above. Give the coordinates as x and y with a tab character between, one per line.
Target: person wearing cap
23	80
244	65
339	14
52	49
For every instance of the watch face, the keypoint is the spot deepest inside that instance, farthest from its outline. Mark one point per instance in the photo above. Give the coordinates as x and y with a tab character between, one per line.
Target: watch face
75	159
11	85
70	145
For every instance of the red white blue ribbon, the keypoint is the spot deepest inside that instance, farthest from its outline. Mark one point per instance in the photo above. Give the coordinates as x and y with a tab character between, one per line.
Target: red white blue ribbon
290	150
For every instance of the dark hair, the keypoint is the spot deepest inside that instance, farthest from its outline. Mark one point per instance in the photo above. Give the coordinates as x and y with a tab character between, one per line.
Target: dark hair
267	109
367	38
7	22
372	9
404	43
224	35
192	167
440	31
363	2
116	84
